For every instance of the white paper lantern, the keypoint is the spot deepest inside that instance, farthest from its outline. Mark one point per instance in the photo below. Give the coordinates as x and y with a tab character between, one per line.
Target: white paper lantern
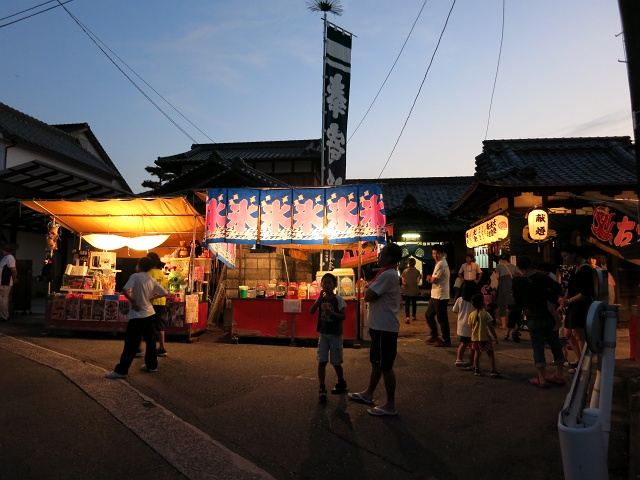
538	220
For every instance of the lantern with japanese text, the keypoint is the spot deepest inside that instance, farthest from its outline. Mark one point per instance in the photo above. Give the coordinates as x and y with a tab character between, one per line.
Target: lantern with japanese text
538	221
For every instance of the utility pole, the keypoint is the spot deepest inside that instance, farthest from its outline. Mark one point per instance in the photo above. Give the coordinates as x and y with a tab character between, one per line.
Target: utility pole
630	19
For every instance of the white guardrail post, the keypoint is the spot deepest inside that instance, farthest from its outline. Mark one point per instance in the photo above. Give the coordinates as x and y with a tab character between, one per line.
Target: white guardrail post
584	424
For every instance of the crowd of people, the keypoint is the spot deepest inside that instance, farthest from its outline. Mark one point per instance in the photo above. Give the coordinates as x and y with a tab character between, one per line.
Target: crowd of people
552	304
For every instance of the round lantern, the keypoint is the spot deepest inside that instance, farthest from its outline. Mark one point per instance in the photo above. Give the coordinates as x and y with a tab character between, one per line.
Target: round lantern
538	222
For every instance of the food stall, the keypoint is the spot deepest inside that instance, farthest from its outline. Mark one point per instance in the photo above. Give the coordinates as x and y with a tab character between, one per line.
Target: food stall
293	222
125	227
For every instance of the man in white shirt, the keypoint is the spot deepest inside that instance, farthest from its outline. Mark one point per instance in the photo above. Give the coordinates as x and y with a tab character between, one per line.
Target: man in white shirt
140	289
471	273
9	277
437	306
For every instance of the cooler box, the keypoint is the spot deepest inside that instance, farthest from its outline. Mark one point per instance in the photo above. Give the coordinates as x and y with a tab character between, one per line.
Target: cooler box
346	281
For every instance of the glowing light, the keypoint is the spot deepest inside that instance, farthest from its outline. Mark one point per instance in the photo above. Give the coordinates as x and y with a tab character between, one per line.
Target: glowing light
538	222
115	242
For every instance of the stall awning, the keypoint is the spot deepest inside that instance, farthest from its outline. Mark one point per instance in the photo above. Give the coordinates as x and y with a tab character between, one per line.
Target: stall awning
131	217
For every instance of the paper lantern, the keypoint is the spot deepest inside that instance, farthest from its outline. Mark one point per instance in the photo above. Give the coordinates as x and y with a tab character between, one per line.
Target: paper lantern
538	221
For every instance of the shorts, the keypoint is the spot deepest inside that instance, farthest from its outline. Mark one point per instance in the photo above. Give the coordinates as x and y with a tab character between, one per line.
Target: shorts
162	317
464	339
330	344
576	317
482	346
384	348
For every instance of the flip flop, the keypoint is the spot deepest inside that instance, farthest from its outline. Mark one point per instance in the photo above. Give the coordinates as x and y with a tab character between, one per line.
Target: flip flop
357	397
536	381
556	380
381	412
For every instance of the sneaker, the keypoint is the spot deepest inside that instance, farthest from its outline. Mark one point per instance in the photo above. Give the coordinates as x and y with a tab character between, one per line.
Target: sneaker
144	368
477	372
114	375
139	353
161	352
433	340
322	395
341	387
461	363
407	321
495	373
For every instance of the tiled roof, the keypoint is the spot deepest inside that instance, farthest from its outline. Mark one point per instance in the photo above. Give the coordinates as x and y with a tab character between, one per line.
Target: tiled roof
433	196
219	172
558	162
22	128
247	151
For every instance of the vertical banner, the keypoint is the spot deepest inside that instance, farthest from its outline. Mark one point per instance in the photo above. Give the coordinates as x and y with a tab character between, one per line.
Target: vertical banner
275	216
242	215
342	214
337	79
308	215
372	214
216	215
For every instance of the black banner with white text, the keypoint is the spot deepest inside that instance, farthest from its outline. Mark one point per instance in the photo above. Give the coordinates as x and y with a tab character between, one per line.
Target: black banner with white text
337	78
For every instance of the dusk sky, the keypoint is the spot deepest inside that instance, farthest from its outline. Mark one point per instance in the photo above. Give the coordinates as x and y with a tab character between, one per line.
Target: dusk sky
251	70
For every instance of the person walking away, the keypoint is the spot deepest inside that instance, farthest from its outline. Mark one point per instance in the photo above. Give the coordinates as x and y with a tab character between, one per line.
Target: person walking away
504	296
537	294
578	297
439	301
411	277
470	272
159	304
331	312
383	295
140	290
481	324
463	307
9	277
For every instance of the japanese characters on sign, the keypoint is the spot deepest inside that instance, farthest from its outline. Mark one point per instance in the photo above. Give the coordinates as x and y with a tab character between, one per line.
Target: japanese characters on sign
614	228
336	83
538	222
488	232
295	216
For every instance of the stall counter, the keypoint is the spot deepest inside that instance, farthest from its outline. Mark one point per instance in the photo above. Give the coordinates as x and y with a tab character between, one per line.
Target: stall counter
266	318
64	312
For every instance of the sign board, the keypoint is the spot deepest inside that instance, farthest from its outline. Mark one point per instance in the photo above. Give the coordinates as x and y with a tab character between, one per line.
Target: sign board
191	304
488	232
291	306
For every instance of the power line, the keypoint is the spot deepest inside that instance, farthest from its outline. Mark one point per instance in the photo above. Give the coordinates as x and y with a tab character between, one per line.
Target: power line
388	74
419	89
95	40
145	82
32	15
495	80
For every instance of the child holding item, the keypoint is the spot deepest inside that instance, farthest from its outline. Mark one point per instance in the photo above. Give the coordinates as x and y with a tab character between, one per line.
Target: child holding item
481	324
331	312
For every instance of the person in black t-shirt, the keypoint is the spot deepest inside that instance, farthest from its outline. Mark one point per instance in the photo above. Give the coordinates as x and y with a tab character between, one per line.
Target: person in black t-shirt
536	294
331	312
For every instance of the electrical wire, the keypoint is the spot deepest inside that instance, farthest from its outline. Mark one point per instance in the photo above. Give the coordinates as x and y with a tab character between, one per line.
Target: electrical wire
91	36
32	15
144	81
388	74
419	89
495	80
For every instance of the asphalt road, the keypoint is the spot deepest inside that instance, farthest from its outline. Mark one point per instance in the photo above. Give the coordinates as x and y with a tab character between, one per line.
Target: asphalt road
220	410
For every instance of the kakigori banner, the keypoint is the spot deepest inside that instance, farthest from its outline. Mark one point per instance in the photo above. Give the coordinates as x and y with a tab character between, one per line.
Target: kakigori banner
311	216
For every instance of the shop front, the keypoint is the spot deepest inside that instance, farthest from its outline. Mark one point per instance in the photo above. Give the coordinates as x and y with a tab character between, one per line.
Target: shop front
108	230
274	283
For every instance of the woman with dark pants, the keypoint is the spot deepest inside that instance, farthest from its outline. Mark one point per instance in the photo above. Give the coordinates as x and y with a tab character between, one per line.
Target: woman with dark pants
410	279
